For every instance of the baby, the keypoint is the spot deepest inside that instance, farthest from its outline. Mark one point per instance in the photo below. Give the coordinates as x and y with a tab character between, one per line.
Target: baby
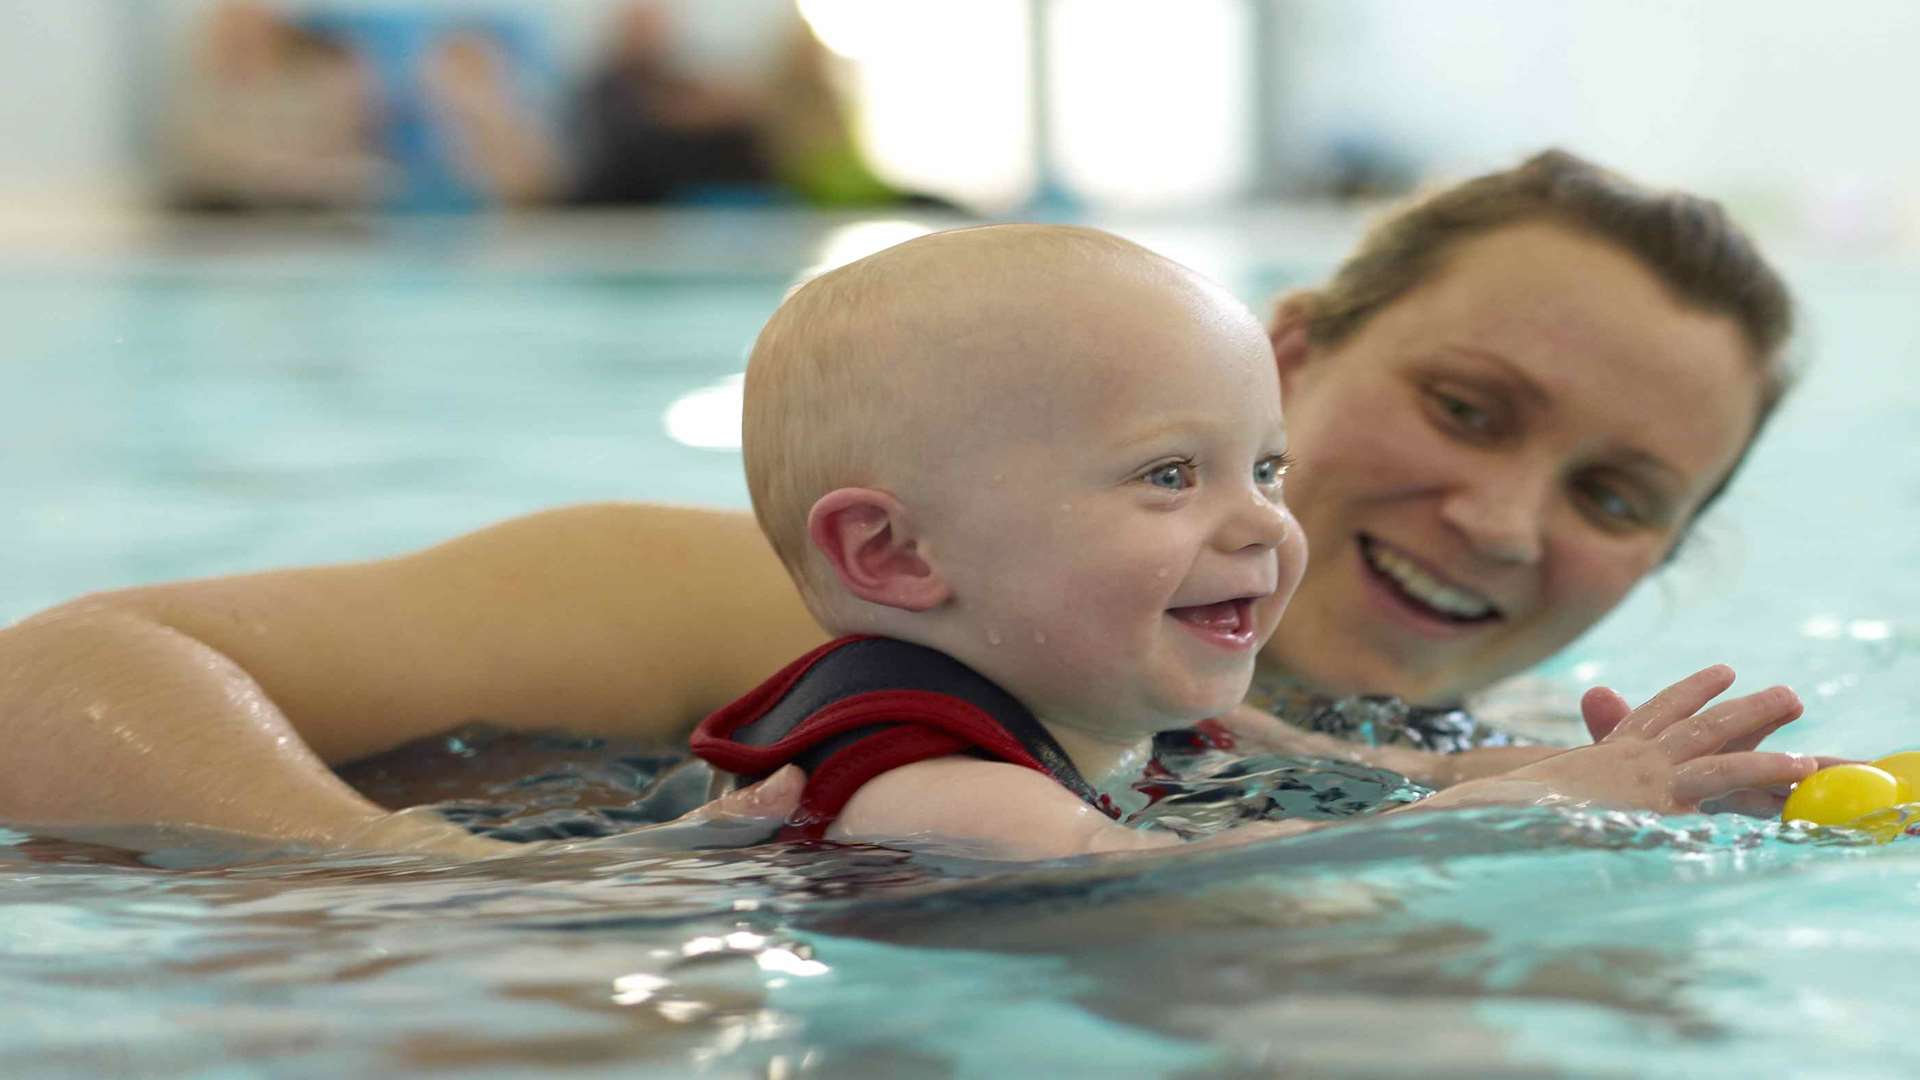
1043	466
1033	475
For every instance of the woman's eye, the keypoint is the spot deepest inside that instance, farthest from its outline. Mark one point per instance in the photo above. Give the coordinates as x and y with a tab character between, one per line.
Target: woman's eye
1463	414
1268	472
1610	507
1173	476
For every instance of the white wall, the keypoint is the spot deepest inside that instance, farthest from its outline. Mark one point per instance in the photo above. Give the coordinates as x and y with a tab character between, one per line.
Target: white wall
63	114
1796	107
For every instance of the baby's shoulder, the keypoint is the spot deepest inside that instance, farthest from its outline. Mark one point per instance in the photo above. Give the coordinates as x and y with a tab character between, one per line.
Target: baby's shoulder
994	808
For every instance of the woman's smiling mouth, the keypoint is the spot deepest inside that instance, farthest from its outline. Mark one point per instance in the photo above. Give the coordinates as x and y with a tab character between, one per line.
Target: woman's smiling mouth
1422	591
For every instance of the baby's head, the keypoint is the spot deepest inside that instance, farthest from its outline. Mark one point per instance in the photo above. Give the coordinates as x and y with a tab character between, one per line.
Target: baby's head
1043	450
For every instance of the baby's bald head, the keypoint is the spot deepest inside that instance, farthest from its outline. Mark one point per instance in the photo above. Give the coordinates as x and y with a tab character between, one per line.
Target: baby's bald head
866	372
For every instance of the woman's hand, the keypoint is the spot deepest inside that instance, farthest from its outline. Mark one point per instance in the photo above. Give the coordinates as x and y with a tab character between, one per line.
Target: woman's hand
1669	755
748	816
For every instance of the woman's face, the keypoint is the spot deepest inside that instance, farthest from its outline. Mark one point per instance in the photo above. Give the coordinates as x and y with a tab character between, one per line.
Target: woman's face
1490	463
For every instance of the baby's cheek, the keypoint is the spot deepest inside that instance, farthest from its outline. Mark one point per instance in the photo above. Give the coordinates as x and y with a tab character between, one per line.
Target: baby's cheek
1089	638
1066	674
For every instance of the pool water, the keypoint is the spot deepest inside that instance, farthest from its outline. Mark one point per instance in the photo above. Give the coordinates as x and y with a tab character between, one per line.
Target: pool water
213	401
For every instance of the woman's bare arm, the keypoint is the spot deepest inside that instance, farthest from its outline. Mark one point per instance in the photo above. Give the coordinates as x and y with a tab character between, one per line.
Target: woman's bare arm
221	702
112	719
1255	729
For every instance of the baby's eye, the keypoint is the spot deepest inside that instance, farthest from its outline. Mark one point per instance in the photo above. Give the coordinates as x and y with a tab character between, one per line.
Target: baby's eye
1269	471
1172	476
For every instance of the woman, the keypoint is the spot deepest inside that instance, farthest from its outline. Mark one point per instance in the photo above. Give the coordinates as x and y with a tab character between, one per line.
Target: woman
1509	405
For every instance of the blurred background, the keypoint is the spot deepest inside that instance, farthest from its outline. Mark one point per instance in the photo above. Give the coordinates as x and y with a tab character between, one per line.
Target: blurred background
1792	113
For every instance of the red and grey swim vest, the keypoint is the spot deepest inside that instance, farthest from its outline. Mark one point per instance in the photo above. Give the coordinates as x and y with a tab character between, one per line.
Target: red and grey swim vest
861	706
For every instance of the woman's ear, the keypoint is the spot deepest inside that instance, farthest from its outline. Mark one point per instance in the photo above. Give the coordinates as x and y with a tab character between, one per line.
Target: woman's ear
867	537
1287	331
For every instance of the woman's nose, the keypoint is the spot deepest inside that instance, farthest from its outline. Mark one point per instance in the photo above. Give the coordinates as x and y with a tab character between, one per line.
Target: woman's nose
1503	518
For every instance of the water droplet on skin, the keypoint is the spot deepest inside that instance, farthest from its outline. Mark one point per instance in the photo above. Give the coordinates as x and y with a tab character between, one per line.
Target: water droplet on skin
1066	508
993	637
1160	573
999	477
1039	638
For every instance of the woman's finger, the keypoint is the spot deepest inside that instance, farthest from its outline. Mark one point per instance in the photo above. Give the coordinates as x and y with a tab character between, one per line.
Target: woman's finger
1603	708
1720	774
1729	722
750	815
1675	703
771	801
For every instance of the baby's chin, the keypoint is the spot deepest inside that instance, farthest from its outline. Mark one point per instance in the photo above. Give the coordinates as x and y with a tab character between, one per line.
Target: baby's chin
1154	705
1203	707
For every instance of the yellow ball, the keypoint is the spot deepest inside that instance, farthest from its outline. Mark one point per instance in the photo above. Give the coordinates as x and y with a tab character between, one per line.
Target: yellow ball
1906	766
1842	795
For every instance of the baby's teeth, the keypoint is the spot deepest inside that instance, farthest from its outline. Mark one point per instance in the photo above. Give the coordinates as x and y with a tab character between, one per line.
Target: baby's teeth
1425	587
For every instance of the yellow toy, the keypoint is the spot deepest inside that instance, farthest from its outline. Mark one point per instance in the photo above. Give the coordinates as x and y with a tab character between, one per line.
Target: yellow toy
1844	794
1906	766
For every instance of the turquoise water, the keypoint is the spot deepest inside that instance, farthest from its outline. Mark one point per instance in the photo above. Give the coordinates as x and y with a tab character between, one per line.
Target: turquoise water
229	402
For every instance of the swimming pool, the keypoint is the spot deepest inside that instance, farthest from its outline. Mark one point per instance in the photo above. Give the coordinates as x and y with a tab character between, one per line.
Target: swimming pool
213	400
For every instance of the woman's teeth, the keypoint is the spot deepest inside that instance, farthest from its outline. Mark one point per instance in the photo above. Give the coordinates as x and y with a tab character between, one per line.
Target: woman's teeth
1424	587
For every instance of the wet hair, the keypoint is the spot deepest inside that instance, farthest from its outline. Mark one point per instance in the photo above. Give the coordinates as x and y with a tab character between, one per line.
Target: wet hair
1705	261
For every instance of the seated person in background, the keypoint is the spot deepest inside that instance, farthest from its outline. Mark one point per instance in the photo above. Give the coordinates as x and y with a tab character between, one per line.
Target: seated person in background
1033	476
498	146
274	116
811	139
648	131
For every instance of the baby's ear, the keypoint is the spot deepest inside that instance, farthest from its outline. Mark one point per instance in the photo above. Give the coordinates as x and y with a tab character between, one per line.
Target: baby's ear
867	537
1287	331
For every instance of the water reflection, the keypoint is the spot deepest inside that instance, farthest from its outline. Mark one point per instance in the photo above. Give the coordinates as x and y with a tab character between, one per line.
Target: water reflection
707	418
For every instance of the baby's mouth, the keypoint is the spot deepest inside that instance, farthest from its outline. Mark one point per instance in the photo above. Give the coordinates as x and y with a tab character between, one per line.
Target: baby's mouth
1422	590
1225	622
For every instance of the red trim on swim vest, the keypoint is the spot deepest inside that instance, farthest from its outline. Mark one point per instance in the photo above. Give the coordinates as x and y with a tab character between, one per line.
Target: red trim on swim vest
931	725
1216	734
716	731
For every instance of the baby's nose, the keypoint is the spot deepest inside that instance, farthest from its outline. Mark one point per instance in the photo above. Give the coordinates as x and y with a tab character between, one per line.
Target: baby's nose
1260	522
